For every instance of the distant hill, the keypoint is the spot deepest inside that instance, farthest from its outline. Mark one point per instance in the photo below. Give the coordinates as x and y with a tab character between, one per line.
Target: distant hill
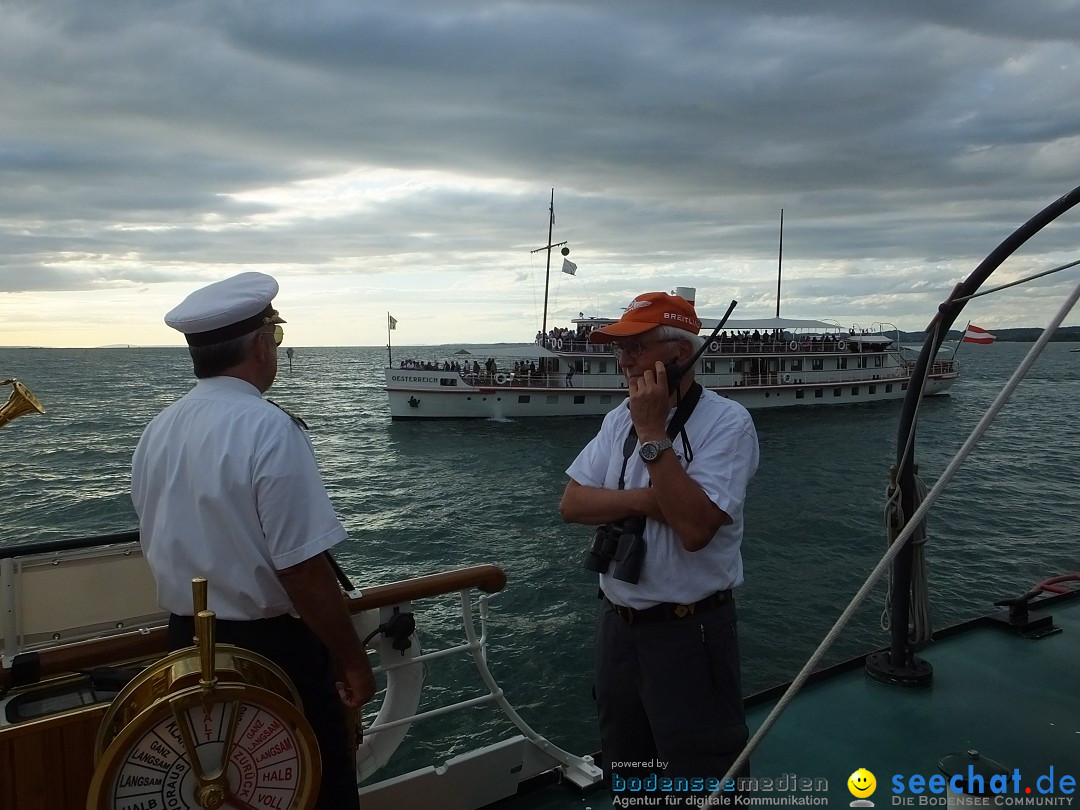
1065	334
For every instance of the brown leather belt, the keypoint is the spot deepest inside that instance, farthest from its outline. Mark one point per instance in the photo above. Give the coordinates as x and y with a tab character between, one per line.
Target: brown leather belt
670	611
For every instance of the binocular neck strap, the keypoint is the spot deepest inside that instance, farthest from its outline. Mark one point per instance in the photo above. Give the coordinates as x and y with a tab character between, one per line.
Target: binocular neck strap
676	426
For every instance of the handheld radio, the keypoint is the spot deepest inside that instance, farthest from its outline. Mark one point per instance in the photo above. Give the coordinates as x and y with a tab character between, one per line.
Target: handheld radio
676	372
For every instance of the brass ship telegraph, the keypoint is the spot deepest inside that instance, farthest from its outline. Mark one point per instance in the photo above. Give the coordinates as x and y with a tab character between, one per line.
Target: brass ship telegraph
210	726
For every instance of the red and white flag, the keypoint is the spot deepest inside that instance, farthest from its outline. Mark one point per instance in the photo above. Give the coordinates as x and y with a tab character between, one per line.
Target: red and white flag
976	334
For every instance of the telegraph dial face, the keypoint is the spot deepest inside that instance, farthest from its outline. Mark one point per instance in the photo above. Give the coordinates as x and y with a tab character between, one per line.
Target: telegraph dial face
231	746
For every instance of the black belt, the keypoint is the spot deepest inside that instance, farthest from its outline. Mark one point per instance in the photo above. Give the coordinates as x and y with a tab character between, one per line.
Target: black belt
670	611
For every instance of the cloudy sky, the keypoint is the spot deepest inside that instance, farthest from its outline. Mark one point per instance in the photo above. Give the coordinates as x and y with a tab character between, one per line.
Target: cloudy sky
400	156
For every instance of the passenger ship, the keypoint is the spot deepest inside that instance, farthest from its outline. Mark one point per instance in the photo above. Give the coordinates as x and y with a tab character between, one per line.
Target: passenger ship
764	363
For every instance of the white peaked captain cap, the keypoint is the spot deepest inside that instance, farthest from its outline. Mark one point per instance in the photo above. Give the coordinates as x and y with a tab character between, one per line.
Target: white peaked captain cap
226	309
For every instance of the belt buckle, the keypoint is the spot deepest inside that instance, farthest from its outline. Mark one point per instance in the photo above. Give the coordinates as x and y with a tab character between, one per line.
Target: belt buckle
682	611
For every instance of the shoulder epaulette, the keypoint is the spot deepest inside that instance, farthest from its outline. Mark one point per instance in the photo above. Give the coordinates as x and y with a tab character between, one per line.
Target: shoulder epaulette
290	414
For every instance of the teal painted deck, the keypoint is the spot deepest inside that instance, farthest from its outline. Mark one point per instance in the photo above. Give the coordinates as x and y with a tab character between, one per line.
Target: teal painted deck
1013	699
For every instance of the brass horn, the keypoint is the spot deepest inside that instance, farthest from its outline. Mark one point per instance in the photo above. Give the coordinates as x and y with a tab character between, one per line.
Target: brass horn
21	401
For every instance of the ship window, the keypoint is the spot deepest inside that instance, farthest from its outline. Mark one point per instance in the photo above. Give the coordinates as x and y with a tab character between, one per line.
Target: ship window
854	390
903	386
585	366
841	362
862	362
837	391
579	399
878	361
799	393
819	393
448	380
708	366
873	389
524	399
44	702
552	399
602	367
817	363
796	364
888	388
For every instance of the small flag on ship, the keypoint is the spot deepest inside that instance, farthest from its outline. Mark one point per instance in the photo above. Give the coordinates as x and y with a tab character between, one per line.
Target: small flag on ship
392	321
976	334
569	267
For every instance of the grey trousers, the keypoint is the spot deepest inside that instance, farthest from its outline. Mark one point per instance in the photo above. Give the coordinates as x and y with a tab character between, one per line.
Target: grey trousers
669	696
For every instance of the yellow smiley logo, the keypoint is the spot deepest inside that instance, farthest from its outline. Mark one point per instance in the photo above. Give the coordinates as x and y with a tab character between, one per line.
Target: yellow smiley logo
861	783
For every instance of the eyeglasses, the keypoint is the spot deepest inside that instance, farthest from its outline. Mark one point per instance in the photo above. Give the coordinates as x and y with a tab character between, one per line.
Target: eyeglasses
279	334
633	349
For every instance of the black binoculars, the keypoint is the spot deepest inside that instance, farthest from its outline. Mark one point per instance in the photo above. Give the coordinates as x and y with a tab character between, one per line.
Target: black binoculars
622	542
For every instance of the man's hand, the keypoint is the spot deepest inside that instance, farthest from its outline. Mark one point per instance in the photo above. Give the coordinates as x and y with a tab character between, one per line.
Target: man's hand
357	684
650	401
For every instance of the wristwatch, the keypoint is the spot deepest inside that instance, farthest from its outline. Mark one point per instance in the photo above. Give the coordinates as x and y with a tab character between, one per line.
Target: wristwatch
650	451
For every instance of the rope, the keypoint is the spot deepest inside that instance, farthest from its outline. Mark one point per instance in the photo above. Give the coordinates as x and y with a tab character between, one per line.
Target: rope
916	519
922	629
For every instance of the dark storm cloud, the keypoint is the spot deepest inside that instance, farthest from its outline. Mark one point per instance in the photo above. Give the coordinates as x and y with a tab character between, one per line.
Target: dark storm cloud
913	135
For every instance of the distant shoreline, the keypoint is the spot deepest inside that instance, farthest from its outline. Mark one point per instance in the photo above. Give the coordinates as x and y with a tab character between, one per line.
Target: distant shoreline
1064	334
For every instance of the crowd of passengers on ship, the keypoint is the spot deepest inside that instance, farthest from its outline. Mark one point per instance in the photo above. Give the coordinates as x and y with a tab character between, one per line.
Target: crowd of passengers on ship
734	342
520	373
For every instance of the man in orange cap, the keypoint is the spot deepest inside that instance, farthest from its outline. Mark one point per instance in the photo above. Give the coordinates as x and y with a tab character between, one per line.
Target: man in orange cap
665	481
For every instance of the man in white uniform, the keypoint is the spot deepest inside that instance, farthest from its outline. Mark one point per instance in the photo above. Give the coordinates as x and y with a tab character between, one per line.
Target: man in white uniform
669	470
226	487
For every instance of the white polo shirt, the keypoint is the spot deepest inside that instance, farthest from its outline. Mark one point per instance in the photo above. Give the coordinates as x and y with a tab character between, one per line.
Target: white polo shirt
725	458
226	487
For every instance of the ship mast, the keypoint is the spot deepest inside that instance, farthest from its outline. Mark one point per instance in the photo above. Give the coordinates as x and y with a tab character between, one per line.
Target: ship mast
779	263
547	274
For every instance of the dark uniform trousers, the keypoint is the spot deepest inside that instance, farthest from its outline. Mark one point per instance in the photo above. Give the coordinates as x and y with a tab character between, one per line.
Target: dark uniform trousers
669	693
289	643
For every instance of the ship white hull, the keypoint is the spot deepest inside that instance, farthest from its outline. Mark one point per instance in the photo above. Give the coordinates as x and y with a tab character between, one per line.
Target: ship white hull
445	395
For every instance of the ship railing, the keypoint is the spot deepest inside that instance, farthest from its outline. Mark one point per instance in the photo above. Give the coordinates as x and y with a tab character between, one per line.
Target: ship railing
723	346
490	579
740	346
943	367
816	378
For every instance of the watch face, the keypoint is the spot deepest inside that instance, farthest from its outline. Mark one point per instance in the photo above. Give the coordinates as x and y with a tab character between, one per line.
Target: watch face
650	451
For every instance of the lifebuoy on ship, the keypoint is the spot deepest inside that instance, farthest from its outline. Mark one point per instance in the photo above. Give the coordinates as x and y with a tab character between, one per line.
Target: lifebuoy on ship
714	347
404	684
558	343
500	379
899	372
794	345
841	345
787	378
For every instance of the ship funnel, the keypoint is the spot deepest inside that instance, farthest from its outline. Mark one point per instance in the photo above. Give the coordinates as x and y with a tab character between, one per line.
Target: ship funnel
686	292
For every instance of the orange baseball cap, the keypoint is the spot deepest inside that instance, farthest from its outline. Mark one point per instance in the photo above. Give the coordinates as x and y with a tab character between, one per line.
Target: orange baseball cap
648	311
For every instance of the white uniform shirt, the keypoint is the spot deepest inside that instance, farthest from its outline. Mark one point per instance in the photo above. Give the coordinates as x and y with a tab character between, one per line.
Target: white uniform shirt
226	487
725	458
